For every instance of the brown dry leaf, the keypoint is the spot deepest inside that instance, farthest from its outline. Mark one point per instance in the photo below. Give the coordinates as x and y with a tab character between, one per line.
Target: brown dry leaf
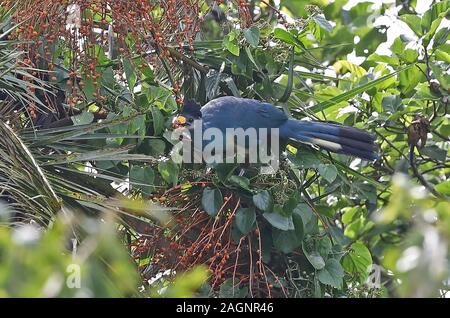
418	131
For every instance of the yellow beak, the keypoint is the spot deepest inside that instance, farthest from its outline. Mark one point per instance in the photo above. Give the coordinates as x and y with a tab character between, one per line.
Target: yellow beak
179	121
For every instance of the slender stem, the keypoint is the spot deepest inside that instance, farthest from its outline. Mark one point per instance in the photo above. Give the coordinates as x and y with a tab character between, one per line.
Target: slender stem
418	175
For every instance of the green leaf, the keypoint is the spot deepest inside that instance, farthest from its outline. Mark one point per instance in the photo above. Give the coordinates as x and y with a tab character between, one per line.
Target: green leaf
169	171
441	37
299	226
332	274
434	152
350	214
63	133
245	219
142	178
157	147
89	88
212	201
240	181
432	17
263	200
308	217
325	210
442	76
130	74
290	81
442	56
367	191
357	174
252	35
318	292
445	130
324	246
312	255
328	172
391	60
353	92
443	187
413	21
357	261
305	160
158	121
371	38
398	46
231	44
357	227
288	207
409	56
344	66
280	222
83	119
323	22
285	241
391	103
284	36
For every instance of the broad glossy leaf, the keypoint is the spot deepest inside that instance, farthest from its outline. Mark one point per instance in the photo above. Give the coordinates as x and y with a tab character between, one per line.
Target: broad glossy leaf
169	171
434	152
263	200
284	36
332	274
323	22
252	35
158	121
313	255
279	221
328	172
308	217
305	160
443	187
142	178
240	181
358	260
413	21
231	44
212	201
285	241
245	219
129	73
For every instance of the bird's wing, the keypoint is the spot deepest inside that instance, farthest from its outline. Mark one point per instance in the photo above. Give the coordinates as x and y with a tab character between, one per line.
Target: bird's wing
263	115
229	112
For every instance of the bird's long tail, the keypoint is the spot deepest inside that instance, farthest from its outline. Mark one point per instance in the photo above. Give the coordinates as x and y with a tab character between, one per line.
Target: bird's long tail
333	137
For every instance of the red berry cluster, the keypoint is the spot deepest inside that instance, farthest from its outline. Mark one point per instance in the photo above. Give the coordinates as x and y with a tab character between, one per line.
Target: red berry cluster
144	28
198	239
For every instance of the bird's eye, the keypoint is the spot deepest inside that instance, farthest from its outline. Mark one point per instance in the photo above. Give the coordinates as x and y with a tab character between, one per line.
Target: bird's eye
190	120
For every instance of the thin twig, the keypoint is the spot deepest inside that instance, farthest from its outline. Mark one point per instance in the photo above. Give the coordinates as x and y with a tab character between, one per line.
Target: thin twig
418	175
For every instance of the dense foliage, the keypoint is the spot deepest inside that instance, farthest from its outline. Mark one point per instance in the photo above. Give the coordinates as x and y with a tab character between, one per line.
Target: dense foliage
89	89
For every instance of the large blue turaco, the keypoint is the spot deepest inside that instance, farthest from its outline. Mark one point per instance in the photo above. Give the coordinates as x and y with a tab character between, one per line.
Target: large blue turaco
233	112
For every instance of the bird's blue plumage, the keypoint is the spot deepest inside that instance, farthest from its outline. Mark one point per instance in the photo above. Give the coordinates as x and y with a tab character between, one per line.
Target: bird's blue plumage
233	112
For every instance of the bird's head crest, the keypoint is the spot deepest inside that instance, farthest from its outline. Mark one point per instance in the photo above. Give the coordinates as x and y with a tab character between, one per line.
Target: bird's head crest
191	107
189	113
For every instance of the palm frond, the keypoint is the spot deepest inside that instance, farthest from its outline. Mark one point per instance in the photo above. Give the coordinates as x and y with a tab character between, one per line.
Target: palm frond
37	181
23	182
